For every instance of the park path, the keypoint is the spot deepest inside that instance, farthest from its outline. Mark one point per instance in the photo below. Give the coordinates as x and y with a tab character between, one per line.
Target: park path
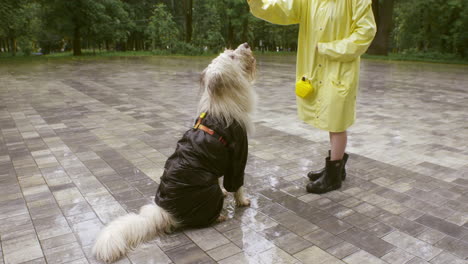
82	142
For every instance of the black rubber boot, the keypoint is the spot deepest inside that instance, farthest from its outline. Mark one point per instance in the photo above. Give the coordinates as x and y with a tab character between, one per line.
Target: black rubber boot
331	179
315	175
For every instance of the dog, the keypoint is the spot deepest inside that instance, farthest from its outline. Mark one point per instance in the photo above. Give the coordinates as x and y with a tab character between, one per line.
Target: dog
189	194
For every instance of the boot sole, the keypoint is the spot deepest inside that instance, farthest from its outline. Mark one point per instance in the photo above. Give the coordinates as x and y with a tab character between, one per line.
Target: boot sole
314	179
325	191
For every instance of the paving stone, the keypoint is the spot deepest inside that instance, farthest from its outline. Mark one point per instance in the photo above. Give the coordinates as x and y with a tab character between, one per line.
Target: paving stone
171	241
368	210
362	256
39	261
445	257
223	251
148	253
458	218
417	260
361	221
79	151
291	243
189	253
276	255
207	238
58	241
295	223
22	253
443	226
79	261
240	258
86	231
323	239
255	220
249	240
397	256
342	250
402	224
227	225
334	225
431	236
455	246
64	253
366	241
412	214
314	255
412	245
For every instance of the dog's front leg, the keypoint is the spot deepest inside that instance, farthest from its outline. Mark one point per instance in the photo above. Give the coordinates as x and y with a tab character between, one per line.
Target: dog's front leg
240	199
225	193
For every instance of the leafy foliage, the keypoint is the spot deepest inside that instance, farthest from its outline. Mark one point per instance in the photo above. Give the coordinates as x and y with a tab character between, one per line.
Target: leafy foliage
207	22
432	27
162	29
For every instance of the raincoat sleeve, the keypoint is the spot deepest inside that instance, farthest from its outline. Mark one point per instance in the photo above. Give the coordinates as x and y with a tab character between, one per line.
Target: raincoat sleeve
282	12
234	176
356	44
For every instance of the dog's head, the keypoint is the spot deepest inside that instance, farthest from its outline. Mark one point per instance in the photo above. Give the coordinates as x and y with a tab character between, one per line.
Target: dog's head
230	70
226	84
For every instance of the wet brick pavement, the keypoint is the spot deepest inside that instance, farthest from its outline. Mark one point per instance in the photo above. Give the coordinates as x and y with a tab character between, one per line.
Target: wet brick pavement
85	141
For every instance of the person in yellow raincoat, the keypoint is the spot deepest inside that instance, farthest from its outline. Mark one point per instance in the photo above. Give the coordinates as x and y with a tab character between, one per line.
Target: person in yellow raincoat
333	34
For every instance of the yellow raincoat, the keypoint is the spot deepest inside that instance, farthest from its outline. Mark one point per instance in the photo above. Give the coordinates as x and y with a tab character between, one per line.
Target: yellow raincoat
333	34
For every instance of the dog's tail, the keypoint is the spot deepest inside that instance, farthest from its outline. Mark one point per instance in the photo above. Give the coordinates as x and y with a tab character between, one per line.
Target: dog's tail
127	231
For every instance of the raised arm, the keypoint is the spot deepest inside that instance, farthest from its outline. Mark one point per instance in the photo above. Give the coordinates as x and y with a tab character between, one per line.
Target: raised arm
282	12
356	44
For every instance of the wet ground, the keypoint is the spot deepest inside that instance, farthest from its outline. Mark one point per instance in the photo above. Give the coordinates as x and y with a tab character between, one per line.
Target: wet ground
83	142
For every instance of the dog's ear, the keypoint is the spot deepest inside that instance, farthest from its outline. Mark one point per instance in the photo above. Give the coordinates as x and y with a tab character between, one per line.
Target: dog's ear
212	81
215	84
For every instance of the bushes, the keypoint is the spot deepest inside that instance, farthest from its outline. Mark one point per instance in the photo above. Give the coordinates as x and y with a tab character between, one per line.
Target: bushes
181	48
431	27
25	45
186	49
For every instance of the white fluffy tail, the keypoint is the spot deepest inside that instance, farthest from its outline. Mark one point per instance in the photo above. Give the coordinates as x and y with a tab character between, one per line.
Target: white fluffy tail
127	231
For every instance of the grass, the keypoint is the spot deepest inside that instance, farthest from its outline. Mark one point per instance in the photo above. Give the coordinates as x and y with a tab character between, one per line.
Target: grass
89	54
419	57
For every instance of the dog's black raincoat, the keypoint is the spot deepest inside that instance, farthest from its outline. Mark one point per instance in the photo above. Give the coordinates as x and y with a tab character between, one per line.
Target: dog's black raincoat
189	187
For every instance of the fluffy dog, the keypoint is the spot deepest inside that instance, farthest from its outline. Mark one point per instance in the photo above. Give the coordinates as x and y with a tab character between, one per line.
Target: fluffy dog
189	193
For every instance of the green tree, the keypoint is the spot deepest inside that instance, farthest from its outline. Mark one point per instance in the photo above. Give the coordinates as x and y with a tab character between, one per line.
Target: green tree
162	28
115	24
431	26
207	25
11	22
78	18
188	14
237	26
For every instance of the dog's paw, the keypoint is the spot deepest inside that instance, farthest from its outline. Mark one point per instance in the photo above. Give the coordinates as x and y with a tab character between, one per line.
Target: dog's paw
221	219
243	202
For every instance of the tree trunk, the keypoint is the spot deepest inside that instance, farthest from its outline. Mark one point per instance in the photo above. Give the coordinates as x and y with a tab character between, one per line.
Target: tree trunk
13	46
77	41
245	26
188	20
7	44
230	39
2	45
383	13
